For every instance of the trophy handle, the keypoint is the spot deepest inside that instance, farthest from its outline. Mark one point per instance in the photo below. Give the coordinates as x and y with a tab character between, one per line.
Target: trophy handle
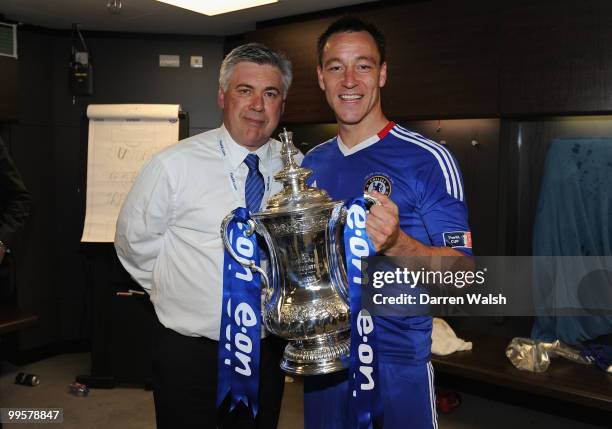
370	200
243	261
335	250
335	247
273	290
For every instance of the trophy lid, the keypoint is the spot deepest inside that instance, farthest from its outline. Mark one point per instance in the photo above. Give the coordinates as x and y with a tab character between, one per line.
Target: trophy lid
296	195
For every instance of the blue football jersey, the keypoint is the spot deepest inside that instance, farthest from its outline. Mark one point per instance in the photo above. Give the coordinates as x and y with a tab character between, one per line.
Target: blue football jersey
423	179
419	175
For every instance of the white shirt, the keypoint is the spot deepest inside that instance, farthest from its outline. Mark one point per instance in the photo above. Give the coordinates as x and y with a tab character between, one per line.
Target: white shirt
168	235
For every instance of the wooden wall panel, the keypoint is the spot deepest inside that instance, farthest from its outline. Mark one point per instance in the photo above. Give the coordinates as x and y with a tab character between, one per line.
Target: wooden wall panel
605	23
306	102
9	85
479	169
469	59
552	57
441	59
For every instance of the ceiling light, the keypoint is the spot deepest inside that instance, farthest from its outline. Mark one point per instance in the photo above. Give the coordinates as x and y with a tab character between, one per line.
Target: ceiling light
114	6
216	7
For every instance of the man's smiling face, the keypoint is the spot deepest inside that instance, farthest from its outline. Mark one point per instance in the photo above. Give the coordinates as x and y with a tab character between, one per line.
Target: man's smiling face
351	76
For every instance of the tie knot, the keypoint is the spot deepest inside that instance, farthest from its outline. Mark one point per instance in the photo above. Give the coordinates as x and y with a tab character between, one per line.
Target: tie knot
252	161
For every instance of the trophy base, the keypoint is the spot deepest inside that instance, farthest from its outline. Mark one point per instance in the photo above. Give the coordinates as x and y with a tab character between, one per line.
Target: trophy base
320	355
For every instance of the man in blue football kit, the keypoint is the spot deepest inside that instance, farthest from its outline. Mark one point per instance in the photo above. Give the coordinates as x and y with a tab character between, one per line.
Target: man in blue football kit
422	213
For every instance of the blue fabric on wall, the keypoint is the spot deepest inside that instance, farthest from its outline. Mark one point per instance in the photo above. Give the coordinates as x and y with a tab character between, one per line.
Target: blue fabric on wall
574	217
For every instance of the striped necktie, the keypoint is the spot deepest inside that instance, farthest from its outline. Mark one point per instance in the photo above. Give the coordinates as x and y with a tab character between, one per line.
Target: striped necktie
254	189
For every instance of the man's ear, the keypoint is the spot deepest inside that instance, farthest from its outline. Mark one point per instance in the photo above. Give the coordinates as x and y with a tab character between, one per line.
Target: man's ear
221	98
320	78
383	75
283	107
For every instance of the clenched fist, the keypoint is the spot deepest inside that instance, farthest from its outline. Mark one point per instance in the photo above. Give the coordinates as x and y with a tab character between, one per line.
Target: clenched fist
382	224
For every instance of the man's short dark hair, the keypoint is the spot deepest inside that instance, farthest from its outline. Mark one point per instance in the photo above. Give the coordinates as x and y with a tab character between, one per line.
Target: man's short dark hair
350	24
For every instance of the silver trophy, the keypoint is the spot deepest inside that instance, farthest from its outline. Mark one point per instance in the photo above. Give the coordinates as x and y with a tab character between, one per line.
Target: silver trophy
306	300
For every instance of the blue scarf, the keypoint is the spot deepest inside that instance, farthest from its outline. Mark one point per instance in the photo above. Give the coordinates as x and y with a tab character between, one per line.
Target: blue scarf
365	406
240	334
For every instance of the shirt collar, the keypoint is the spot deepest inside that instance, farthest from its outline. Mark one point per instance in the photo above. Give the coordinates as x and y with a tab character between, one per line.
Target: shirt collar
365	143
237	153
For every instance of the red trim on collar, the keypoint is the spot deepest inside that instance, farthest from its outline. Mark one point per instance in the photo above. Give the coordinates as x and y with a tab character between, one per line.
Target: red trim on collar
382	133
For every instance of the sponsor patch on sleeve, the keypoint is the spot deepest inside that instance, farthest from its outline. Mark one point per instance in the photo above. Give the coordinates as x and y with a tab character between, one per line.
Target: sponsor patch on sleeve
458	239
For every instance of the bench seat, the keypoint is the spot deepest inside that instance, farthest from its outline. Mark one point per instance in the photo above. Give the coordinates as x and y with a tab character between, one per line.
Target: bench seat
487	363
12	319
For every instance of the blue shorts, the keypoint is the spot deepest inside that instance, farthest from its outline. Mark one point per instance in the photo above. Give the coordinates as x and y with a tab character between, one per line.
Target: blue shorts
407	393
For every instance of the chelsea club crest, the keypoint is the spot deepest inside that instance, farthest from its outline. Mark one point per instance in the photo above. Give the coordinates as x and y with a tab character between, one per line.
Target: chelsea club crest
378	183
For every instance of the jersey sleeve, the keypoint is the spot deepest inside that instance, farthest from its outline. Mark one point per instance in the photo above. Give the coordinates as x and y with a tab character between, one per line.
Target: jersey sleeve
442	204
307	162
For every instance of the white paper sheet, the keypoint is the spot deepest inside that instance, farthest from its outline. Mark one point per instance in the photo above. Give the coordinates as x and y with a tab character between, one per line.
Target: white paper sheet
122	137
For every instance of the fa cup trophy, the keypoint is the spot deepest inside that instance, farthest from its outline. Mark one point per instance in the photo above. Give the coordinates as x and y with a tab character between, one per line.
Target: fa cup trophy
305	297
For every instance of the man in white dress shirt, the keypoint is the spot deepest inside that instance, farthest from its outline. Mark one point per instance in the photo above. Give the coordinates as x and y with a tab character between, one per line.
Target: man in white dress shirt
168	240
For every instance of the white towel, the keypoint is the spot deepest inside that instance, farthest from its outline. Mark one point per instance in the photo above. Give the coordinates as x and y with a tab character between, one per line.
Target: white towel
444	341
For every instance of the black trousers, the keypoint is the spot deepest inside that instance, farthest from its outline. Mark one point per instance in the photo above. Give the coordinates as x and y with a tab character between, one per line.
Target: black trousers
185	384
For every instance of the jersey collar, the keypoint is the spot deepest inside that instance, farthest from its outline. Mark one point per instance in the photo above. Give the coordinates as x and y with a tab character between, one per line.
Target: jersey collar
346	151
